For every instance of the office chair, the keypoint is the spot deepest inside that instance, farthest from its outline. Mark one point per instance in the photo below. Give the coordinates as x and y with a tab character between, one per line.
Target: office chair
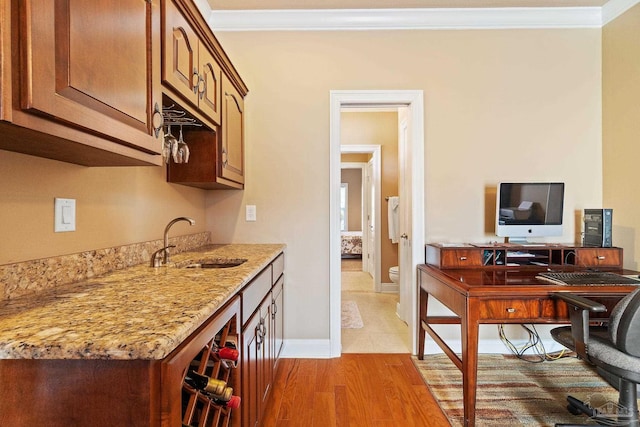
613	349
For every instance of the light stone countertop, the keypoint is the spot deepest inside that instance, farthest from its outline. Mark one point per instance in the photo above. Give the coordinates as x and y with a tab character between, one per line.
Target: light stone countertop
134	313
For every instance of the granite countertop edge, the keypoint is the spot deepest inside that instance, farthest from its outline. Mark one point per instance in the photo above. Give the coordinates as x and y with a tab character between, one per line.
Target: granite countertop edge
131	314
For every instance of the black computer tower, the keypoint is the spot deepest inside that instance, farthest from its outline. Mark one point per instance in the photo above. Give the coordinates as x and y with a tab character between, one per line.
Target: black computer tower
598	228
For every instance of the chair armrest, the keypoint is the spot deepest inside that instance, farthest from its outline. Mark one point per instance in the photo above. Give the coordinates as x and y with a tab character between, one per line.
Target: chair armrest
579	309
578	302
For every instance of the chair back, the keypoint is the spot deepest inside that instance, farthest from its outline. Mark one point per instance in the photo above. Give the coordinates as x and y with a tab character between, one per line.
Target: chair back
624	324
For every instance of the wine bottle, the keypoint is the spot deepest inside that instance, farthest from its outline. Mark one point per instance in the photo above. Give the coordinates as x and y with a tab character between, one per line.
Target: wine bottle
225	396
205	383
232	403
228	353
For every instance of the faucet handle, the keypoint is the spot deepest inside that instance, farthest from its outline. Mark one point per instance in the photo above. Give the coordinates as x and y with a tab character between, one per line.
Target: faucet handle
156	261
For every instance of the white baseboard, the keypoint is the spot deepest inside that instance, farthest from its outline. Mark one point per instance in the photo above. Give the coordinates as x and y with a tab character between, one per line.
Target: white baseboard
306	349
389	288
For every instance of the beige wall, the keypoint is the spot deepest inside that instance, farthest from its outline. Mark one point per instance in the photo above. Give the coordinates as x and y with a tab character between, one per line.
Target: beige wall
378	128
114	206
499	105
621	130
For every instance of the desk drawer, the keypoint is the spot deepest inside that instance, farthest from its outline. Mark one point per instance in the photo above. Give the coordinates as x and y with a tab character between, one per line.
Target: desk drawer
460	258
510	309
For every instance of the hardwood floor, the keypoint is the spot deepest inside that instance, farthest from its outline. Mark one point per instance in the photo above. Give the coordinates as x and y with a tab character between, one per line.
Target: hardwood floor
355	390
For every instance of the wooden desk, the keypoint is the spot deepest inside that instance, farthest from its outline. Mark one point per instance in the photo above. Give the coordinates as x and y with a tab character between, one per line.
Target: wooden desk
493	296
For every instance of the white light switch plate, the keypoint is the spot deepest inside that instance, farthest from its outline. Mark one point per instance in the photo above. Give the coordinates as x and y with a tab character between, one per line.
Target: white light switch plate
65	215
251	213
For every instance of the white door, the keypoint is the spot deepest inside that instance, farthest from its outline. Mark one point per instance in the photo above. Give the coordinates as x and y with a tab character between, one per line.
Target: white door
370	191
404	220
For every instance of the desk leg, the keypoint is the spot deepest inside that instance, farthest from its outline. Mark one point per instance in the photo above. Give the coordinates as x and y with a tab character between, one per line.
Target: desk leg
424	298
469	364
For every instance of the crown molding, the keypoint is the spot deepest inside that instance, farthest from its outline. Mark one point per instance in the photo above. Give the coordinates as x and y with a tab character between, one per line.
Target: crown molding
413	19
614	8
405	19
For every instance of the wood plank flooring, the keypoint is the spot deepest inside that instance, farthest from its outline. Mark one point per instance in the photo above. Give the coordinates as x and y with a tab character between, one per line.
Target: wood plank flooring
355	390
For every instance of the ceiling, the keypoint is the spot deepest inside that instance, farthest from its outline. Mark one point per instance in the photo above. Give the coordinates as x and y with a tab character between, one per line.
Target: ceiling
393	4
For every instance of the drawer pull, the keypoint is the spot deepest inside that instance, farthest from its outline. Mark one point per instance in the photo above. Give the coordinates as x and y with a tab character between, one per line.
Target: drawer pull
601	258
463	258
511	310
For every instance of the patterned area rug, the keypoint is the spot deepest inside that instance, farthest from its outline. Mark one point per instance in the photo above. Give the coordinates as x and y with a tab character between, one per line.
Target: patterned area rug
512	392
351	318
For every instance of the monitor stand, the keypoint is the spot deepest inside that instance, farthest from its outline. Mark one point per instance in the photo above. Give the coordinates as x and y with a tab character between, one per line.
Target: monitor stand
522	241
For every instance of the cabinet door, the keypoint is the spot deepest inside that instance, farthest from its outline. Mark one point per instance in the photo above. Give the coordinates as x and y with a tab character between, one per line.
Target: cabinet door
253	357
210	85
232	150
277	319
91	65
179	53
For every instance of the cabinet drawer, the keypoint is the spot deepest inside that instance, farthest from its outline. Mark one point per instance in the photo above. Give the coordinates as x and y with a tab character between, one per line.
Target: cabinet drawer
278	267
255	292
603	257
460	258
510	309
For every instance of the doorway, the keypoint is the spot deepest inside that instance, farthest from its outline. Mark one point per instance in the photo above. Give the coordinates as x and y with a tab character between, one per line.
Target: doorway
412	245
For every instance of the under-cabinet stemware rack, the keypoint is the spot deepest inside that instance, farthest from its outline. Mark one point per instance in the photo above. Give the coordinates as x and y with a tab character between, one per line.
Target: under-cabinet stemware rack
176	149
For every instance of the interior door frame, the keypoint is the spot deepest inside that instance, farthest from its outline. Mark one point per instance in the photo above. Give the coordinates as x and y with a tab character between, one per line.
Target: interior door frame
376	159
413	99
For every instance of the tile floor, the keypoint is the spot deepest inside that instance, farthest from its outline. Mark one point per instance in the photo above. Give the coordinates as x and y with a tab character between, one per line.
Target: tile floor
383	331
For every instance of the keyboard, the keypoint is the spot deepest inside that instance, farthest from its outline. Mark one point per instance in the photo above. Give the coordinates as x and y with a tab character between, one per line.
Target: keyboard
587	278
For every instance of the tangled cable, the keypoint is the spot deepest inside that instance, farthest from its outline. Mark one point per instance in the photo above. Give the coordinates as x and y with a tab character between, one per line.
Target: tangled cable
533	343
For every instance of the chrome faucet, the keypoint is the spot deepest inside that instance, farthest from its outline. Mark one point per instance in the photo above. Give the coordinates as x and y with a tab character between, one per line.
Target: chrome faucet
165	249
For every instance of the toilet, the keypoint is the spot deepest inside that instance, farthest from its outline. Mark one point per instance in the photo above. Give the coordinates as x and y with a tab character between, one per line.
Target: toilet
394	274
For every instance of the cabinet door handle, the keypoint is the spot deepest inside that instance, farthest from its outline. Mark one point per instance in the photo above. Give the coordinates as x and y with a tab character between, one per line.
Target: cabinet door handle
225	159
201	87
274	309
259	336
157	120
195	80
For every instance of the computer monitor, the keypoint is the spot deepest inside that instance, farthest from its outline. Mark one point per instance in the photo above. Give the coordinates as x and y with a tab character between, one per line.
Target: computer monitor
529	209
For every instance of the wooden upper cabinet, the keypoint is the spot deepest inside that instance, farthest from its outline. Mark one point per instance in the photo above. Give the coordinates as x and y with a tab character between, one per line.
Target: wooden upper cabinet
92	66
189	68
210	85
232	140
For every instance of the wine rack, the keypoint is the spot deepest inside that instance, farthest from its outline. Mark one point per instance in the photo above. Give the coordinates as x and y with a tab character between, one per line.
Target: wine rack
198	407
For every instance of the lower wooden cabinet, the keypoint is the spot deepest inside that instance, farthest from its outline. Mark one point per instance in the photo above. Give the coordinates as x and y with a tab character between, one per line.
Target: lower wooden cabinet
256	364
152	393
188	405
262	336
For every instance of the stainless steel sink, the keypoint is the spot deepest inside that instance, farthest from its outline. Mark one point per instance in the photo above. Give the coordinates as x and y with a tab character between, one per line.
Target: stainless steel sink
214	263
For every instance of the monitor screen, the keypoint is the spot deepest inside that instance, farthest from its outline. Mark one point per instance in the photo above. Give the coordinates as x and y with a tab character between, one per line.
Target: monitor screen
529	209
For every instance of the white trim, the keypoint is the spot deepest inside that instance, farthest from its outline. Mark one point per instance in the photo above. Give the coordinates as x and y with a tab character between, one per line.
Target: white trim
389	288
404	19
376	158
339	99
614	8
306	349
